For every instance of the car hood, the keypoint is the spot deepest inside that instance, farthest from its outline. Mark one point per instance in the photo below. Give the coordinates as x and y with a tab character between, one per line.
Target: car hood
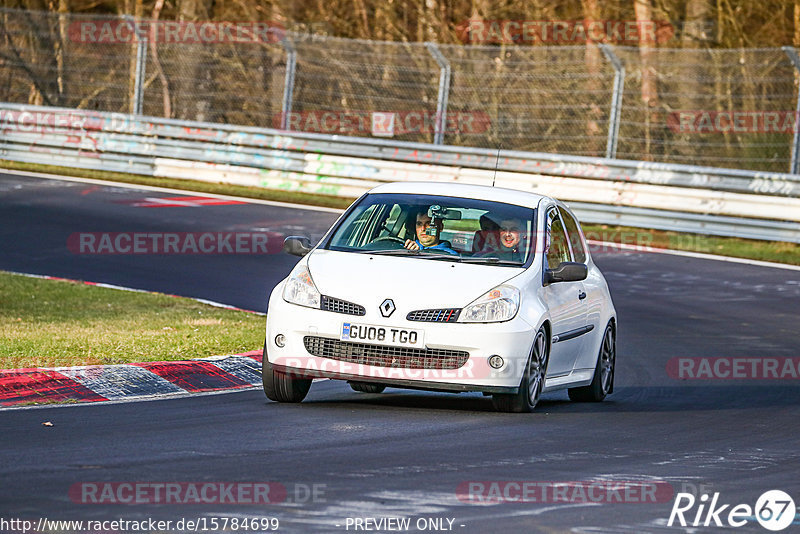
411	282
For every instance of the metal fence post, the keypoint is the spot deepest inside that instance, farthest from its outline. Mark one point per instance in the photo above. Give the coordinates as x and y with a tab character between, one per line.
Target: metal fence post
444	92
141	61
794	165
616	100
288	82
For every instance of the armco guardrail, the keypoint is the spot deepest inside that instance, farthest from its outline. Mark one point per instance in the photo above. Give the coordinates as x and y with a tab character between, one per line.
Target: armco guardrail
671	197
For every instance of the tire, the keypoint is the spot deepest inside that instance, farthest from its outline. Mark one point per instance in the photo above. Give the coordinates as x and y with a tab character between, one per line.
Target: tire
530	387
365	387
281	387
603	379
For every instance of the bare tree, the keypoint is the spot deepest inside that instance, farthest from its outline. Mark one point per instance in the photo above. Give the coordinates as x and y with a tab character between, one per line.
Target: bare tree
60	44
162	78
644	18
696	33
32	44
796	39
135	8
697	23
192	76
594	61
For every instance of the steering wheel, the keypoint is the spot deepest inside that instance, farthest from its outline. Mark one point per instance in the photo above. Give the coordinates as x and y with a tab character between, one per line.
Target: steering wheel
396	243
390	238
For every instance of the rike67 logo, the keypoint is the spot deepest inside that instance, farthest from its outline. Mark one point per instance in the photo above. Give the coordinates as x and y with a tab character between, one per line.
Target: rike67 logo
774	510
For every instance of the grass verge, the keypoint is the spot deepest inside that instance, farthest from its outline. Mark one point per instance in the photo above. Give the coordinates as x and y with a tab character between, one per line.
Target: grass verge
774	251
49	323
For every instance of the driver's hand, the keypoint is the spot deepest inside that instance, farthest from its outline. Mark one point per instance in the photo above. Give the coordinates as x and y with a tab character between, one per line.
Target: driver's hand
411	245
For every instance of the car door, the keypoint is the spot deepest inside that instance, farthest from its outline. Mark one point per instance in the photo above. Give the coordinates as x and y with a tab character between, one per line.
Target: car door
566	301
595	295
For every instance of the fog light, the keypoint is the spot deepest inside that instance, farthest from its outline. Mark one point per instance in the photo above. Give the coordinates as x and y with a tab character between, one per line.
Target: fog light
280	340
496	362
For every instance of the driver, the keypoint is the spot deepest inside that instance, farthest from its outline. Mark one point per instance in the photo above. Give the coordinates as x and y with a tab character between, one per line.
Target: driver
425	241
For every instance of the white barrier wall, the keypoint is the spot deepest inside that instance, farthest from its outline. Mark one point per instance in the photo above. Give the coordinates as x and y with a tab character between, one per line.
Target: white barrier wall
672	197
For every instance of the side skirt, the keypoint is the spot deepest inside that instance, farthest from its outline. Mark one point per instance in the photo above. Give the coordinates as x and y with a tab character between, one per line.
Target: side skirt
576	378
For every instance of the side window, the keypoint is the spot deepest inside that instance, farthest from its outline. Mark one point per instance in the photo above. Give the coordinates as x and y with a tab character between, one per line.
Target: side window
392	226
574	235
366	226
356	228
558	249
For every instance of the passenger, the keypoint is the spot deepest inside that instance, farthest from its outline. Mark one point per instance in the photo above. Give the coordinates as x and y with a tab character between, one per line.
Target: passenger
508	244
425	241
486	238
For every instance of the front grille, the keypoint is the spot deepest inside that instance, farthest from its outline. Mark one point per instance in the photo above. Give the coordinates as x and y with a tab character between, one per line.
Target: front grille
442	315
383	356
342	306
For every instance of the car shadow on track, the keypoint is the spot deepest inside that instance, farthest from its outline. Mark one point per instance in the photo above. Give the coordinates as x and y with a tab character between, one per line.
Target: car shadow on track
683	399
407	399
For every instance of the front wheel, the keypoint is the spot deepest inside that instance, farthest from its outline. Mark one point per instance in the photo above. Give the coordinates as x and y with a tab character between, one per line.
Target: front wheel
280	386
532	380
603	380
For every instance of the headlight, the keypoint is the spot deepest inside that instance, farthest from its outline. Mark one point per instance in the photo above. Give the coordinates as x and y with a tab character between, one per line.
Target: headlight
499	304
300	289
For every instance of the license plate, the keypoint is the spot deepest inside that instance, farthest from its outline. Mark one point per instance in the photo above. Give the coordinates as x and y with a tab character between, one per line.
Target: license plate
383	335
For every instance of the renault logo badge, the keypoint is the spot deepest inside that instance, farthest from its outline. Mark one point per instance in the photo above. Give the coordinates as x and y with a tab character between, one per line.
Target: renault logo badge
387	307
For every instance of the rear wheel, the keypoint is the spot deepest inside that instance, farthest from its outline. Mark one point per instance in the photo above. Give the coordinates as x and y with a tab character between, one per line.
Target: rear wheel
279	386
365	387
532	380
603	380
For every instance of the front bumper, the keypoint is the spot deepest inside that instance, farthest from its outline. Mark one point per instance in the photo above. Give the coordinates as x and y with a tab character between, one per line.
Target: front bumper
427	385
511	340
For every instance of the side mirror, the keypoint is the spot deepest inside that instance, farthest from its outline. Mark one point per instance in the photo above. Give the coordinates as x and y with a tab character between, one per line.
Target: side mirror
567	271
297	245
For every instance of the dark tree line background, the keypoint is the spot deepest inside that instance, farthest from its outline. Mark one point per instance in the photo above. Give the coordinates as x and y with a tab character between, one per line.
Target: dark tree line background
697	23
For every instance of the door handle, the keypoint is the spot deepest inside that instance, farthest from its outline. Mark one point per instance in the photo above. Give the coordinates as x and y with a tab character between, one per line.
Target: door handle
581	295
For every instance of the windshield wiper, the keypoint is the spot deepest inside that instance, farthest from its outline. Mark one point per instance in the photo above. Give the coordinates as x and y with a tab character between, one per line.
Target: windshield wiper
435	255
387	251
493	261
432	254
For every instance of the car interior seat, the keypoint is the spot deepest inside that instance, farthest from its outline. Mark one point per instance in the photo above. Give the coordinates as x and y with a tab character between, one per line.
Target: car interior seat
488	237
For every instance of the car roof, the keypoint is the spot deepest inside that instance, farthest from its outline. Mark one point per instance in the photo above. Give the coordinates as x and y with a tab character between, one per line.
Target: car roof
496	194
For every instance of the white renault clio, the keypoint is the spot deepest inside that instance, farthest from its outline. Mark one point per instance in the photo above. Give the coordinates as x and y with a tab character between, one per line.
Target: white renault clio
445	287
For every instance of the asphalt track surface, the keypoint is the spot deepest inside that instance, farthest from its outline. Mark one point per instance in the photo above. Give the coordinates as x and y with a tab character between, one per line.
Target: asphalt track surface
403	454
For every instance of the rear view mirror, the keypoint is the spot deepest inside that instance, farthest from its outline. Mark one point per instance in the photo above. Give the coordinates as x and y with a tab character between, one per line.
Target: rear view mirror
297	245
567	271
439	212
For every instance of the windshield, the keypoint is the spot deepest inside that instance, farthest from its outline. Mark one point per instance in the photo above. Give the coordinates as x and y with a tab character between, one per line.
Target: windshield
436	227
